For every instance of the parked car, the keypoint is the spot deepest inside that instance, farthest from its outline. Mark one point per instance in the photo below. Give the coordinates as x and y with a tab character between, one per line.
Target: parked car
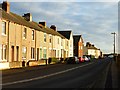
81	59
72	60
86	58
76	59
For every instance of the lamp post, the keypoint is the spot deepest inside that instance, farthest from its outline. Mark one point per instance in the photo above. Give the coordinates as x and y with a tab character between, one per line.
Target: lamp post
114	44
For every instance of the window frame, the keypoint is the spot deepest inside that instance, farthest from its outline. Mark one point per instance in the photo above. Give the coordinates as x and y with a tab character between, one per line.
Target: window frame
33	35
50	39
45	53
0	52
24	51
32	53
3	52
3	28
25	33
58	41
45	38
40	54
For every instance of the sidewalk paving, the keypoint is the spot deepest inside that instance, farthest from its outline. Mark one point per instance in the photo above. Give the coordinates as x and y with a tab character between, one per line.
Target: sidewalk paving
115	78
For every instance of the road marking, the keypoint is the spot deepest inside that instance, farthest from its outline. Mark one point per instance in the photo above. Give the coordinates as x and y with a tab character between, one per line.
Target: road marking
41	77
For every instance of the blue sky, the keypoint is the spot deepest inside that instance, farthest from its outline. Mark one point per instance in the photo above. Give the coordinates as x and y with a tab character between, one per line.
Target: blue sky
94	20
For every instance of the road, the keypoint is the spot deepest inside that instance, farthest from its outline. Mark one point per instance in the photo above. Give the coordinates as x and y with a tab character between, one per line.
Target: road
94	74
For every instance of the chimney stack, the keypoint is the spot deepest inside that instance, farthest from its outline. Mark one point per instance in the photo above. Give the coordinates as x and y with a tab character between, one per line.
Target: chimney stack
6	6
93	45
88	44
53	27
28	16
42	24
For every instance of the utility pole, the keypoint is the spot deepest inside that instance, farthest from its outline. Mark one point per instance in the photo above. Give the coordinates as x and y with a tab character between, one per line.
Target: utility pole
114	44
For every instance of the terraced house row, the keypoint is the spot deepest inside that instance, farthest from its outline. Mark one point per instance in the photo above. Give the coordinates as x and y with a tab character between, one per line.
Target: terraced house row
22	39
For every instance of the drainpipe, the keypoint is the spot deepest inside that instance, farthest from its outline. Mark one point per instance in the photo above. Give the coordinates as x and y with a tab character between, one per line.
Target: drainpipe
8	42
35	46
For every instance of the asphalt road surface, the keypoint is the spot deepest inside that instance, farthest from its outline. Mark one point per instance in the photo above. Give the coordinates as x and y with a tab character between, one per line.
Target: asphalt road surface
94	74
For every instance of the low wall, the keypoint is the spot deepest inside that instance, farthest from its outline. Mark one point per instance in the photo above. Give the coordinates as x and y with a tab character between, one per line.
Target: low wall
4	65
35	62
15	64
19	64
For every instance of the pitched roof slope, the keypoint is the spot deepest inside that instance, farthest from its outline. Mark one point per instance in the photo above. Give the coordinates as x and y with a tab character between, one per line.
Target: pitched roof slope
65	33
20	20
92	47
76	38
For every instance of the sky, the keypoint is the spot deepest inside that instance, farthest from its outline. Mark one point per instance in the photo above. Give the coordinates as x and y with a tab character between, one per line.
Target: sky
95	20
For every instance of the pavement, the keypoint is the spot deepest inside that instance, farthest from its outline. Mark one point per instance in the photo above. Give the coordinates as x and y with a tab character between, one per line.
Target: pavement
115	76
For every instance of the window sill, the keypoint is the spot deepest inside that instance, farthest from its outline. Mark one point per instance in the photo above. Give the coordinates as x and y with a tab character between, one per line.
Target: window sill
32	59
4	35
2	61
24	39
23	58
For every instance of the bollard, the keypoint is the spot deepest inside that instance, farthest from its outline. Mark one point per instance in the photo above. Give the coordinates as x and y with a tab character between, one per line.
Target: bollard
46	61
23	63
49	60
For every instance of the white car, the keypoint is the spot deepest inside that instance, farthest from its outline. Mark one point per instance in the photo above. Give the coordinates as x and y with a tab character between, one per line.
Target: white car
76	59
86	59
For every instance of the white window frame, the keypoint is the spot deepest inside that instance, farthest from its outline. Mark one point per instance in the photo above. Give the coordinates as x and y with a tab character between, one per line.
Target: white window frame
45	39
40	54
61	42
0	52
3	28
58	41
24	51
33	35
3	52
32	53
25	33
50	39
45	53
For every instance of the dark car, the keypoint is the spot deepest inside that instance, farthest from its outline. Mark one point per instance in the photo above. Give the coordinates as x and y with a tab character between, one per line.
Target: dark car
72	60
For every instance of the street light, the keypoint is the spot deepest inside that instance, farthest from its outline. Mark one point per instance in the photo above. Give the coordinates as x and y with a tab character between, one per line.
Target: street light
114	43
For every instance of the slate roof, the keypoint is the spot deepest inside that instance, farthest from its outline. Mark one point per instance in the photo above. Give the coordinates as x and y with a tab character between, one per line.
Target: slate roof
66	34
92	47
12	17
76	38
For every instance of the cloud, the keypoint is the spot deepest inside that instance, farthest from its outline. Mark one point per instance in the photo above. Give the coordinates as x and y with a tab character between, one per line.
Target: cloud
63	0
94	20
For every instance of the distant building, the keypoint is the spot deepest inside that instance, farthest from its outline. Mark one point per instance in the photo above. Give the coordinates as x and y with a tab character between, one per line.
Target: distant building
78	45
91	50
69	36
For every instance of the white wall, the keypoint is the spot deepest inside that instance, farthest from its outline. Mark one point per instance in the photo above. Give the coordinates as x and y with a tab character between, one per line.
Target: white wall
70	53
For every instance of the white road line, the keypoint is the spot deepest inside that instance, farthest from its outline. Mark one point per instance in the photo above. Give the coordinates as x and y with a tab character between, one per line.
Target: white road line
41	77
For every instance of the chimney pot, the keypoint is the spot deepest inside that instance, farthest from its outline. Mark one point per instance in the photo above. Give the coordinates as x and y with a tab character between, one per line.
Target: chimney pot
42	24
53	27
28	16
6	6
